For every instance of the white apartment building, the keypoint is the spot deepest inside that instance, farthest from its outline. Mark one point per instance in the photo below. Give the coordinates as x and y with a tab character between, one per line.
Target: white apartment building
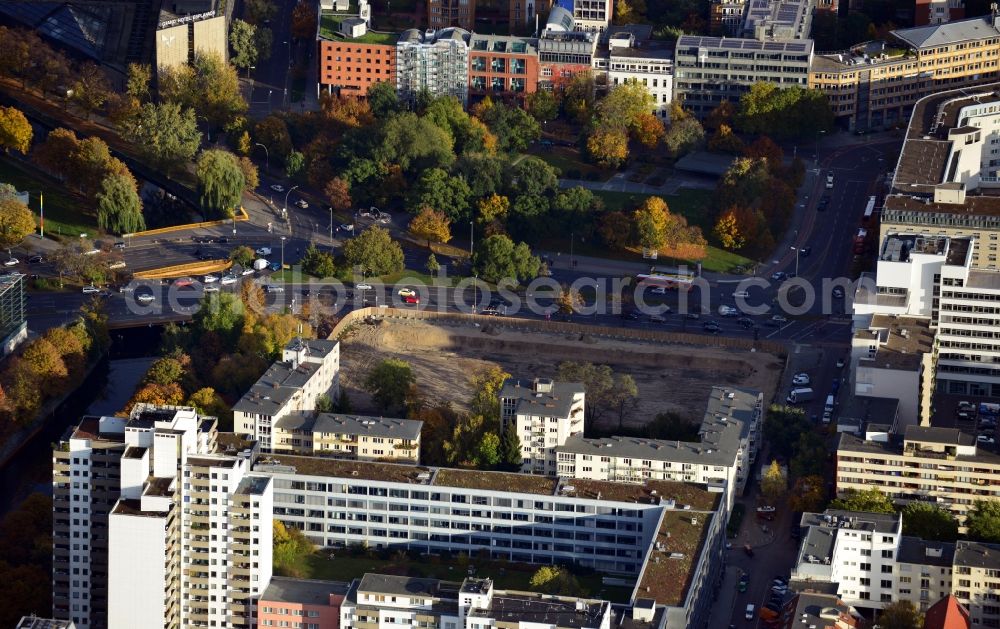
348	437
435	61
592	16
933	278
721	459
646	531
871	563
382	601
186	538
546	413
647	63
942	465
308	369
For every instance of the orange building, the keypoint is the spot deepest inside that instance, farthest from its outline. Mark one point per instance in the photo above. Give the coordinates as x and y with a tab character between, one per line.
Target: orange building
351	57
502	66
300	603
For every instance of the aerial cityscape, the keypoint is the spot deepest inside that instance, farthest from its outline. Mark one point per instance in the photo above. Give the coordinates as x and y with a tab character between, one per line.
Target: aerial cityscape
500	314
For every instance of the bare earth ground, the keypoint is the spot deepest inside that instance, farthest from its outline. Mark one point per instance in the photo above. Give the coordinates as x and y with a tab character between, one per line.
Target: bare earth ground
445	357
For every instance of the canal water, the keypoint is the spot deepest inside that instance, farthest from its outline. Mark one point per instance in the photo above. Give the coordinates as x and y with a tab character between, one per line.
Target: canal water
105	391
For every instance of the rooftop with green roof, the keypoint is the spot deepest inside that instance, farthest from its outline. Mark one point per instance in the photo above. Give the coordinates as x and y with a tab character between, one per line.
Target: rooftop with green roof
329	28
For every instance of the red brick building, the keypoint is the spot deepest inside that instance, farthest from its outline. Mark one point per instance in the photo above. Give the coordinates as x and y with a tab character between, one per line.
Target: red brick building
350	65
305	602
502	66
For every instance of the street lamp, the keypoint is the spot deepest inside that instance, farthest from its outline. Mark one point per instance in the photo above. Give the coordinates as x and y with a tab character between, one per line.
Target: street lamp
267	155
471	238
284	208
282	253
796	250
331	229
208	128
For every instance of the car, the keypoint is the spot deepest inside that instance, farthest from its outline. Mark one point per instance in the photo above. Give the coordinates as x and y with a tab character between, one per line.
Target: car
11	262
711	327
966	415
366	213
657	319
35	259
211	288
965	405
208	279
827	417
744	582
986	440
805	251
363	286
90	290
779	580
987	424
275	266
145	298
823	203
840	362
247	271
829	181
694	316
273	288
263	251
302	203
205	256
183	281
411	299
766	509
741	293
728	311
659	290
385	219
778	319
222	241
630	315
120	245
779	276
227	280
746	322
801	379
127	288
406	292
838	293
277	187
347	227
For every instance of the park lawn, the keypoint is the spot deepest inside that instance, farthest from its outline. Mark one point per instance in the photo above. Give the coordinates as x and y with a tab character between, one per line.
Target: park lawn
64	215
568	160
344	567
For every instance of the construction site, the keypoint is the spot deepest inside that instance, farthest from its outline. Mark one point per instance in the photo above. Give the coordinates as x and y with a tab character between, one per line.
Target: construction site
445	355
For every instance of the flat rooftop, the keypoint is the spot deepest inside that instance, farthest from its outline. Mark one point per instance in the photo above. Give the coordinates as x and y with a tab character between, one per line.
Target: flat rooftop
134	508
398	585
512	609
302	591
496	481
319	466
667	573
253	485
532	399
850	444
902	342
651	492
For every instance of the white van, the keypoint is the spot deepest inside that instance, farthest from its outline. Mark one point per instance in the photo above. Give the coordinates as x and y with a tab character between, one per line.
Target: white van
828	407
750	610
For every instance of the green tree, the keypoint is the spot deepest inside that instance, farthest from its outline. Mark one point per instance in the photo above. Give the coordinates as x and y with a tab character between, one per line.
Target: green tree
497	257
389	382
242	255
16	222
207	401
870	500
166	370
272	132
673	427
773	483
137	81
446	193
983	522
792	112
929	521
243	41
45	364
324	404
91	88
260	11
251	176
119	209
513	127
209	86
221	316
220	182
432	265
810	456
15	130
807	494
510	448
294	164
782	427
488	451
901	614
164	133
608	146
685	133
555	580
304	20
318	263
414	144
543	105
375	252
624	397
382	99
578	98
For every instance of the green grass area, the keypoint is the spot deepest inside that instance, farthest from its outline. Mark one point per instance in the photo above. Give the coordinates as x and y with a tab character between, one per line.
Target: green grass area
63	211
329	28
569	163
343	566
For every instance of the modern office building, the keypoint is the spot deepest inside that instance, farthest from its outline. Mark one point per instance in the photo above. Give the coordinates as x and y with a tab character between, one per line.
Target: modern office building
503	66
648	63
348	437
308	369
435	61
878	84
592	16
941	465
669	534
314	604
13	322
352	57
133	501
564	50
729	438
545	414
871	564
